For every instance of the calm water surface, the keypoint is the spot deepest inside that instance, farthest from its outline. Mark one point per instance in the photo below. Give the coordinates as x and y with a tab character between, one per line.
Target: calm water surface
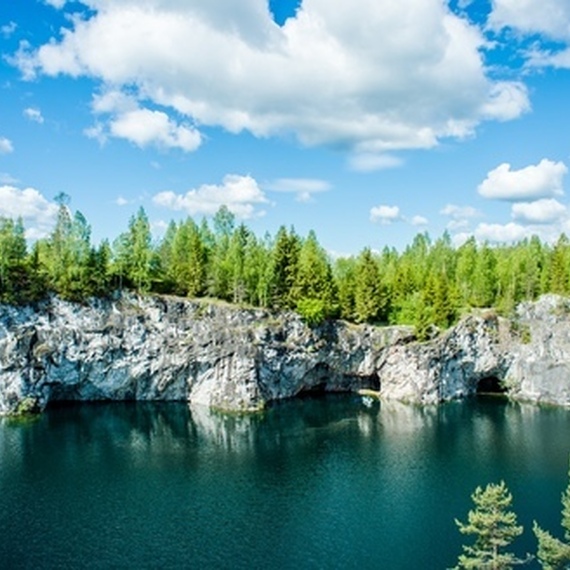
313	483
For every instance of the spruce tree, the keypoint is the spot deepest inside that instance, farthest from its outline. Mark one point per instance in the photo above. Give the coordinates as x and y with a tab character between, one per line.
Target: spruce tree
494	528
370	299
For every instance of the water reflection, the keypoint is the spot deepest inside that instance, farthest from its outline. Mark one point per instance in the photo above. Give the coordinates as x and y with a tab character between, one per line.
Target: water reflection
326	482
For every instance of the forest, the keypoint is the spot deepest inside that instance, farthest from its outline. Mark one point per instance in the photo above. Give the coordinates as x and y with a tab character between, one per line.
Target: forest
431	283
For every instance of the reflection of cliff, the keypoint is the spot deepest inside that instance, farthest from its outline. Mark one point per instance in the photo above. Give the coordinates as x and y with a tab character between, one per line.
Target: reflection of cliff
287	425
159	349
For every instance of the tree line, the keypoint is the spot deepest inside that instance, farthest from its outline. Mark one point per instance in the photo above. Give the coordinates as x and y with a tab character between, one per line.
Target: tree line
429	283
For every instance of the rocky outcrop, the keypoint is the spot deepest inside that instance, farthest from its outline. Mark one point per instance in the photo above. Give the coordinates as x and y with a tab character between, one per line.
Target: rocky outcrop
166	348
539	369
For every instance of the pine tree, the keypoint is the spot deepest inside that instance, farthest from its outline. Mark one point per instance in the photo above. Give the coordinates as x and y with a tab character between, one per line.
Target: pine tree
554	554
494	528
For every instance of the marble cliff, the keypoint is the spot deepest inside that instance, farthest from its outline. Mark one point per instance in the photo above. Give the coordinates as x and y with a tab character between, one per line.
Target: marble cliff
167	348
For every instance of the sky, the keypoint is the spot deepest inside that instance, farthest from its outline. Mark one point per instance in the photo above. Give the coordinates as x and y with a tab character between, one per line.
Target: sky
367	121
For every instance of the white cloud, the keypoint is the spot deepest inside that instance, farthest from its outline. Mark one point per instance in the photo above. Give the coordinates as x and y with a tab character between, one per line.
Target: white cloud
34	114
460	238
241	195
6	145
159	226
549	17
500	233
530	183
120	201
37	213
545	211
459	212
367	162
507	100
460	216
58	4
369	76
419	221
141	126
8	29
97	132
385	214
144	127
304	188
545	58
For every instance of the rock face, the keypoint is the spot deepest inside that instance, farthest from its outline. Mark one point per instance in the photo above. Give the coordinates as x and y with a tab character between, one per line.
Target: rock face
166	348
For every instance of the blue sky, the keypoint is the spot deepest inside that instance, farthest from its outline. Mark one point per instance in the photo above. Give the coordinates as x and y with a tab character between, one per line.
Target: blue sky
365	121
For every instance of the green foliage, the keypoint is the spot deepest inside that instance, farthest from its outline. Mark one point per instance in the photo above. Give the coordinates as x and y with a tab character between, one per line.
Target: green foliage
285	259
312	311
428	285
14	268
370	295
494	528
553	553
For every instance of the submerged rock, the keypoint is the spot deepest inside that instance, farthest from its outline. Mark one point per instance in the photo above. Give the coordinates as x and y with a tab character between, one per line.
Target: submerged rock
167	348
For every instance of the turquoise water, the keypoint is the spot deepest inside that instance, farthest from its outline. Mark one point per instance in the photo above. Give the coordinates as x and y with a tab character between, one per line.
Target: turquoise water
312	483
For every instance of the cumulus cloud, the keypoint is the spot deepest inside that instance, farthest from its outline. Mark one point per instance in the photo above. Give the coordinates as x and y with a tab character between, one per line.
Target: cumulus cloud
6	145
369	76
500	233
144	127
545	58
304	188
385	214
545	211
460	216
37	213
240	194
542	180
549	17
141	126
34	114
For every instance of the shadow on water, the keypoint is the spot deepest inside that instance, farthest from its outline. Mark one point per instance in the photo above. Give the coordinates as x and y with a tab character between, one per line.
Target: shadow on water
323	481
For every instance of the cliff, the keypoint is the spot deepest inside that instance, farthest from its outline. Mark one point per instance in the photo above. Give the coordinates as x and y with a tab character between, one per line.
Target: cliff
166	348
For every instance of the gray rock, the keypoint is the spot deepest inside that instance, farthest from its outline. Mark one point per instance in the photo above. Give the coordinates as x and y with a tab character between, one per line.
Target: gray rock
211	353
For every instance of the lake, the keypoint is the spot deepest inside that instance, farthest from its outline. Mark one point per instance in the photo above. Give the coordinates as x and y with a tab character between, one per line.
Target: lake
311	483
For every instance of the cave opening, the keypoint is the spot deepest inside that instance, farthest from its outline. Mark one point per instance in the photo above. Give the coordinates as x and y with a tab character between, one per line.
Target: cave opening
372	382
490	386
313	391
